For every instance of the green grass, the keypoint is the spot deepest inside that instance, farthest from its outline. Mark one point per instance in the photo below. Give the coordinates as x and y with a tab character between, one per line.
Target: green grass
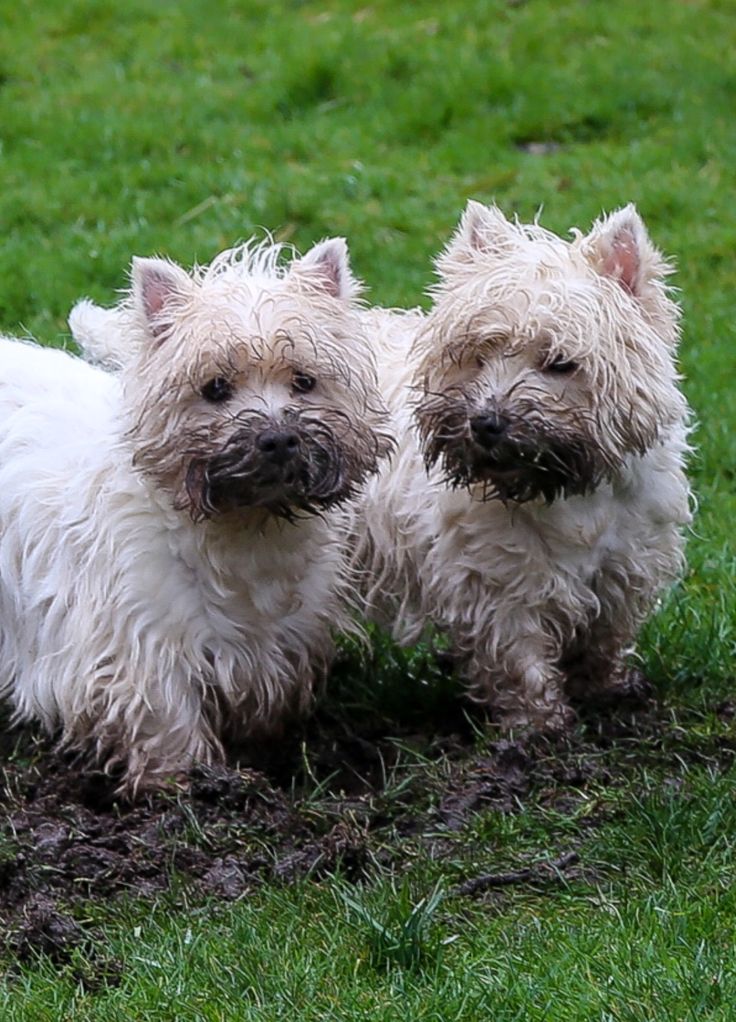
643	931
183	127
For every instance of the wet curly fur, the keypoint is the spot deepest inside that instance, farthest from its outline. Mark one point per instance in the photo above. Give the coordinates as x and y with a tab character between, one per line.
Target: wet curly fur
172	557
535	507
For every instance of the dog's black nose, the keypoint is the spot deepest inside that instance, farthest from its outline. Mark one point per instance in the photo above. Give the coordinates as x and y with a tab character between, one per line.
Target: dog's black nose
278	445
488	429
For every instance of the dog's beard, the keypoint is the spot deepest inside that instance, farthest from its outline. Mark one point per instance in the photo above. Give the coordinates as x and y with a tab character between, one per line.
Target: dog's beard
323	472
527	463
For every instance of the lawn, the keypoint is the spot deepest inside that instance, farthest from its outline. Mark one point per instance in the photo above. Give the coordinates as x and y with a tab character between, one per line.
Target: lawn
181	128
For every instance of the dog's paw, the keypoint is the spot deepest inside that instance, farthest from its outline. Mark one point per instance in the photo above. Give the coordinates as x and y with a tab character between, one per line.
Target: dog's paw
633	686
550	719
629	687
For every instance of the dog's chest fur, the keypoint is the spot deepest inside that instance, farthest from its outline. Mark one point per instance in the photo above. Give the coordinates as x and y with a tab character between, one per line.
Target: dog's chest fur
242	608
268	585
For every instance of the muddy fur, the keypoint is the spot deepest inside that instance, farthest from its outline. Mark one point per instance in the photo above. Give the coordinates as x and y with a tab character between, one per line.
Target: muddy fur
534	511
172	556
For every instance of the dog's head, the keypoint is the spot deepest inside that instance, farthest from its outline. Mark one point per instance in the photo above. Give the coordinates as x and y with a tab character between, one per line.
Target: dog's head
250	383
545	363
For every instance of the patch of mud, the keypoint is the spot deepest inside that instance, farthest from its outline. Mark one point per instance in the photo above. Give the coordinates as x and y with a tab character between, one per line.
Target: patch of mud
346	789
42	928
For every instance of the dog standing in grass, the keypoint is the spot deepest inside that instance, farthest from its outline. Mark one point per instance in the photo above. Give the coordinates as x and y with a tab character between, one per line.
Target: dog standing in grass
172	563
535	507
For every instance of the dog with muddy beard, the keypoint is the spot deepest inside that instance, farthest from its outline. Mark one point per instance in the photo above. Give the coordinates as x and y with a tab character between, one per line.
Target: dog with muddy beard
172	563
535	507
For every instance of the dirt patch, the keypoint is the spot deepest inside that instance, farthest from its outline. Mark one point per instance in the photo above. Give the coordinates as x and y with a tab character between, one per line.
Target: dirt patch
334	792
43	928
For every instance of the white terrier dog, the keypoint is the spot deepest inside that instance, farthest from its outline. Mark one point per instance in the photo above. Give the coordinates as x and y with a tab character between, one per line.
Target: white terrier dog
549	514
171	566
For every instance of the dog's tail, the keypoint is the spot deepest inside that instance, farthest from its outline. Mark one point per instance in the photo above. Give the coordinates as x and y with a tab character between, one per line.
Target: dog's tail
97	333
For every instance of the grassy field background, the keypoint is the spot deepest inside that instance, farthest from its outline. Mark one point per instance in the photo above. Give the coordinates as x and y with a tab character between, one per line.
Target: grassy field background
180	128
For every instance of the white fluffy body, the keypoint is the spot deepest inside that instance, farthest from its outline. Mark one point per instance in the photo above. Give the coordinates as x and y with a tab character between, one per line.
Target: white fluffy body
141	629
540	598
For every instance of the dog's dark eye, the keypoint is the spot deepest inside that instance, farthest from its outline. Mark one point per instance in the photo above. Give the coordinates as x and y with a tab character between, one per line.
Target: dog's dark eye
561	366
217	390
302	383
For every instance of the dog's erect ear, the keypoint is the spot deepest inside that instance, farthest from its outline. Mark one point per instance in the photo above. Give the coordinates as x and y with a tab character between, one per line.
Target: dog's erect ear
618	246
326	268
157	287
482	229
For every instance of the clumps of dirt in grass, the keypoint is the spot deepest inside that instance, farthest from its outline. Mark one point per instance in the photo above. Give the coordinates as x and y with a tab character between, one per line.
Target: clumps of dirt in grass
42	928
343	790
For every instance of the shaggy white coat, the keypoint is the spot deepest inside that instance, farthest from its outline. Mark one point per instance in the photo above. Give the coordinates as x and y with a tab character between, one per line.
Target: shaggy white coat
139	632
538	599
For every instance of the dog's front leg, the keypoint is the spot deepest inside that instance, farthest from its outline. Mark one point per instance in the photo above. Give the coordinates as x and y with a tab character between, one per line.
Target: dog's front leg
156	731
596	665
596	662
512	668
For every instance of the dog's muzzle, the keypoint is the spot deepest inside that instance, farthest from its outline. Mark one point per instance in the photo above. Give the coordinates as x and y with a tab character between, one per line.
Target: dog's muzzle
508	459
262	469
524	467
276	466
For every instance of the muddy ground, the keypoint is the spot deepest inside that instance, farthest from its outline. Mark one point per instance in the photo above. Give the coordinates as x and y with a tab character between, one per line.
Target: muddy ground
345	790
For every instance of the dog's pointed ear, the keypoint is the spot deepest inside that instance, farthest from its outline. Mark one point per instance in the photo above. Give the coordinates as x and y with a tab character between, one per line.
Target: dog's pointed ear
157	287
484	228
481	229
618	246
326	268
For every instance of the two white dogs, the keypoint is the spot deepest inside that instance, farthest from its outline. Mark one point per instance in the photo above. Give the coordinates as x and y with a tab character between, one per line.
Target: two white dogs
163	570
